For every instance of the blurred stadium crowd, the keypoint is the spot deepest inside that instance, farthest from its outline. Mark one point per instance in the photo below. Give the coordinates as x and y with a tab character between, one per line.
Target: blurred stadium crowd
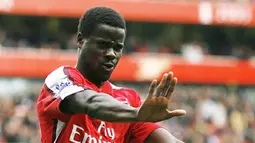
188	40
216	114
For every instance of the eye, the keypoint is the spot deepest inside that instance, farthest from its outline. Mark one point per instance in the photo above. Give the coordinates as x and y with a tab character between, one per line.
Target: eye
101	42
118	47
104	44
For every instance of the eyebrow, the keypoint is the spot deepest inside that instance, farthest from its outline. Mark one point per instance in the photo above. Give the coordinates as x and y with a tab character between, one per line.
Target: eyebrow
106	40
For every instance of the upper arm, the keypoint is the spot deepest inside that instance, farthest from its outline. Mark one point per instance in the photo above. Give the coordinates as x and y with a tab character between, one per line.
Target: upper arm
60	84
78	102
161	136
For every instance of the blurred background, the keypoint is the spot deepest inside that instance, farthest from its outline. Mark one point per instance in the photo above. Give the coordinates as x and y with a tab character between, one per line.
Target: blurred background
208	44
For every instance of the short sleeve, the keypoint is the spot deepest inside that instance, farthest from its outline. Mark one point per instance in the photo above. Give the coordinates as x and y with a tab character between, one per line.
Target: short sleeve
140	131
61	83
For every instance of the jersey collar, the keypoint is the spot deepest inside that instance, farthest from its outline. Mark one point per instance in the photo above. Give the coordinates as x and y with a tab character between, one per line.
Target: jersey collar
105	88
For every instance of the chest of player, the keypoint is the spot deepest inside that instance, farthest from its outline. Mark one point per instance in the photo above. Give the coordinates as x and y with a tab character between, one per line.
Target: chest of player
84	129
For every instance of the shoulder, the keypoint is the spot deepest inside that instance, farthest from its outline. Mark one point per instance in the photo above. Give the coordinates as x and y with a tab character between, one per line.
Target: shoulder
62	72
56	74
62	77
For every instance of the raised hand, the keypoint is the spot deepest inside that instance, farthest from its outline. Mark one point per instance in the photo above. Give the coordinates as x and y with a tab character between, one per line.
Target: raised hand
155	106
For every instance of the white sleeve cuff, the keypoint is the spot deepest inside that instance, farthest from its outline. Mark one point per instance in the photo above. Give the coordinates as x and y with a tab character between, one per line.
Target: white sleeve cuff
69	90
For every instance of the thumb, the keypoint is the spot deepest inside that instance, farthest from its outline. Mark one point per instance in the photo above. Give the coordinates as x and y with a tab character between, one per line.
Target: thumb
178	112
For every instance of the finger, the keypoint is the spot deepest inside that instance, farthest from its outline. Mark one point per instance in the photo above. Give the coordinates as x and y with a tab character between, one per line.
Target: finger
171	88
161	85
152	89
168	83
176	113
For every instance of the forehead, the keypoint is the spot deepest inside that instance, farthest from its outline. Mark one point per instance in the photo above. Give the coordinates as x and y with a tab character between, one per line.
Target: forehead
109	32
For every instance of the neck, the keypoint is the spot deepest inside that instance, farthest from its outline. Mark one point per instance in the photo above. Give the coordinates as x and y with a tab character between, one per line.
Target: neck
89	76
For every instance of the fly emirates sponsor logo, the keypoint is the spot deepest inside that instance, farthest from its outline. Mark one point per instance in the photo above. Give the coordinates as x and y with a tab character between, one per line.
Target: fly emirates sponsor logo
87	138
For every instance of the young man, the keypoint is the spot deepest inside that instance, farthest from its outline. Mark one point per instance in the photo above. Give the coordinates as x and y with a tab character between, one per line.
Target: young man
80	105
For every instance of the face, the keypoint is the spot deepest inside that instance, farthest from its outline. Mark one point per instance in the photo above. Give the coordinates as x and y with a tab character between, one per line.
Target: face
100	53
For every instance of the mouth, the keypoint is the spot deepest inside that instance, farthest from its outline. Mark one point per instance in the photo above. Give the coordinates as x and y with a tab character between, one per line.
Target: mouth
108	67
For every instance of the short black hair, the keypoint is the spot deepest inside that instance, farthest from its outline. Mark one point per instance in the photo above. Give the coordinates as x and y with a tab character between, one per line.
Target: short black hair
99	15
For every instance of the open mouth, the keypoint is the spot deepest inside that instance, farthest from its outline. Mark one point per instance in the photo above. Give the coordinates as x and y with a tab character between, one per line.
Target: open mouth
108	67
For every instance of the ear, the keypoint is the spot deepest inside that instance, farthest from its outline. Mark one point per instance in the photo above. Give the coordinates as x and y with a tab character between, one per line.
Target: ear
80	40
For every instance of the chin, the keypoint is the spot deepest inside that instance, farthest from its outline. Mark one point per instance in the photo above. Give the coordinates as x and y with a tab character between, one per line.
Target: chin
106	77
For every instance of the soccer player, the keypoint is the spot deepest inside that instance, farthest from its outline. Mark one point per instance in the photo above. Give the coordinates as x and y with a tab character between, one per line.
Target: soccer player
79	105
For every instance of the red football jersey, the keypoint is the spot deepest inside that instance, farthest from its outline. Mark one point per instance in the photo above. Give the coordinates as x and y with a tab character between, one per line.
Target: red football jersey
57	127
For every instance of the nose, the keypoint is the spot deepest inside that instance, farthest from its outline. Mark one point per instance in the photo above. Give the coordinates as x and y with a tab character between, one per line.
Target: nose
110	54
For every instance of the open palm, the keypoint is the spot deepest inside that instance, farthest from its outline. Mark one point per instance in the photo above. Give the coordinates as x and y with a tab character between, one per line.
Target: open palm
154	108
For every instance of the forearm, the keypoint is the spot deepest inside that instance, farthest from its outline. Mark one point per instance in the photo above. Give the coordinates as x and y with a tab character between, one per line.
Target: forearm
106	108
98	105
